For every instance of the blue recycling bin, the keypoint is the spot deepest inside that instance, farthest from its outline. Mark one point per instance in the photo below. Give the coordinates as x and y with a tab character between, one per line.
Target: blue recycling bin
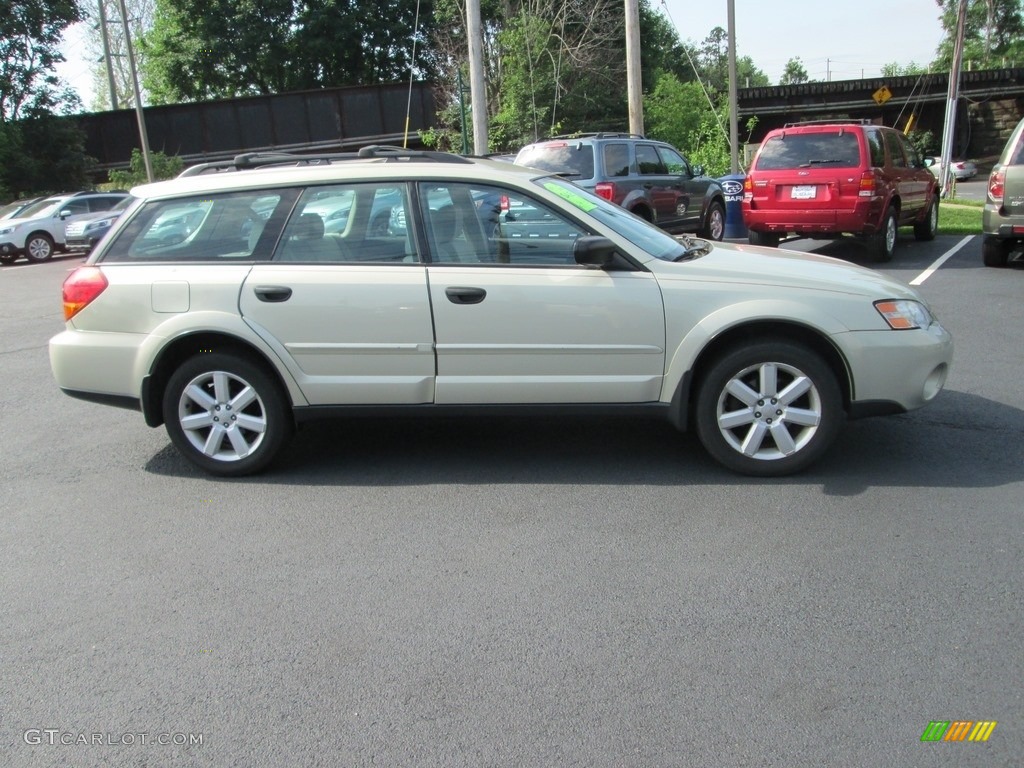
732	186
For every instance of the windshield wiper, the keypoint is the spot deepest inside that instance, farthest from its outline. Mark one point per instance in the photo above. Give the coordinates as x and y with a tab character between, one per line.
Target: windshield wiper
820	162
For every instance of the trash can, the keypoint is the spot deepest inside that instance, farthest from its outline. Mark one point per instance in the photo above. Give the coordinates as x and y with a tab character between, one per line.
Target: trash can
732	186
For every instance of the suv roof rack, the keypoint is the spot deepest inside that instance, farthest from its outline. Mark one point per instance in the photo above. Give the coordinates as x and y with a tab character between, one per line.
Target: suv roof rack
251	160
599	135
841	121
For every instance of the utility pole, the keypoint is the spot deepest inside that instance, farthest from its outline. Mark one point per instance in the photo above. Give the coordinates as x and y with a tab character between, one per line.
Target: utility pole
477	88
734	130
143	136
952	95
106	56
634	79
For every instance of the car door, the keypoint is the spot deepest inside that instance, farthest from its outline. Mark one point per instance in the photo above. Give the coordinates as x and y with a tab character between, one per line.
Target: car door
664	190
516	320
690	190
346	309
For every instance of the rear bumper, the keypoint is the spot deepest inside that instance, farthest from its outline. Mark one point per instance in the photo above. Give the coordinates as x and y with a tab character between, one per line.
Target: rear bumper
781	220
97	366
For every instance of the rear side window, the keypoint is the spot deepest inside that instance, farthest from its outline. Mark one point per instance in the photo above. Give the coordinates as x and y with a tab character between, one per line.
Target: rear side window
572	159
899	160
876	148
616	159
809	150
203	228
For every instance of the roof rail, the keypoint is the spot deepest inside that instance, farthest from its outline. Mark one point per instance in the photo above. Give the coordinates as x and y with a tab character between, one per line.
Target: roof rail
599	135
252	160
841	121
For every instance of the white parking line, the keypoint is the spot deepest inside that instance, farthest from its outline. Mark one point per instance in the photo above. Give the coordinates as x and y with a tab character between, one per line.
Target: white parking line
940	261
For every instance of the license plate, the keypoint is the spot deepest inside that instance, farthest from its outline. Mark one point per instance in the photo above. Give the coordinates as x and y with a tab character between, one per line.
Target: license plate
808	192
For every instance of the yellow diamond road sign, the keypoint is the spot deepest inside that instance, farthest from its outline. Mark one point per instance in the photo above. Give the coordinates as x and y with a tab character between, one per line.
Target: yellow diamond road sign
882	95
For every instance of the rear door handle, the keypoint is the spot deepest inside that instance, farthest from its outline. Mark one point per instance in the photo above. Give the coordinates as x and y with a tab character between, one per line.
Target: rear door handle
460	295
273	293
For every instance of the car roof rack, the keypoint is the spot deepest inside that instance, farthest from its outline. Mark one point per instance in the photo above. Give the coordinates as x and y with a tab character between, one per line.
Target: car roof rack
251	160
600	135
840	121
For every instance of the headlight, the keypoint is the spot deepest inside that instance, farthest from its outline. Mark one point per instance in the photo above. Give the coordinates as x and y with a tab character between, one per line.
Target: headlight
7	230
99	224
904	314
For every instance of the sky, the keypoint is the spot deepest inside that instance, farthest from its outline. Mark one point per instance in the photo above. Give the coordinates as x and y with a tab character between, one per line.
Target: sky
830	39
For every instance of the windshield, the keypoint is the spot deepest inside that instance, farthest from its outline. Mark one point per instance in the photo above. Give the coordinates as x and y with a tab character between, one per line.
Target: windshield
809	150
9	210
574	159
43	208
640	233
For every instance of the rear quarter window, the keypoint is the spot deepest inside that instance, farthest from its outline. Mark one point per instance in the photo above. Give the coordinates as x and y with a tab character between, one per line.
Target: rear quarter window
572	159
809	150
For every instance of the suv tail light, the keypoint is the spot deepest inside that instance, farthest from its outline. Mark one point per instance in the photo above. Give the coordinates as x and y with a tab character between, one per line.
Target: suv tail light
867	184
997	185
605	189
80	288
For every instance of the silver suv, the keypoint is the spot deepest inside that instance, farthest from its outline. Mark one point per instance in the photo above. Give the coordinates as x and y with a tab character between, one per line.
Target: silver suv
38	231
1002	219
241	298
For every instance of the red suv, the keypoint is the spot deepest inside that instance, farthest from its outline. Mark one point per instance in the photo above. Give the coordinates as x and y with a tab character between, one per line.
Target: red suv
822	180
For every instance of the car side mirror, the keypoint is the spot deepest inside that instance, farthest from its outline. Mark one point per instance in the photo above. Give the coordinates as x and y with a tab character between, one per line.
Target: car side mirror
65	213
929	162
595	252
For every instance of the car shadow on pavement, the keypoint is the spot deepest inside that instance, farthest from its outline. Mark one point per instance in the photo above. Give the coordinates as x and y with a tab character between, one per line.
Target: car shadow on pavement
962	440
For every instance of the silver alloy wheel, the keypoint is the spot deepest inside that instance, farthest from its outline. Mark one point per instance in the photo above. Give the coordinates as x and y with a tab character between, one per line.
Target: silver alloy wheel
769	411
39	248
222	416
716	227
890	234
933	218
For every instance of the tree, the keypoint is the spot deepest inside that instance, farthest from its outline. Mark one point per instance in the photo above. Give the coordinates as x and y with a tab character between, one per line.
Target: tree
674	110
206	49
795	73
164	167
994	33
894	69
30	34
140	21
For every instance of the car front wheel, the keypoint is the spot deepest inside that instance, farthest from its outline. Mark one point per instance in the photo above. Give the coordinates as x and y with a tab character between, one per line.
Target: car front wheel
768	408
226	414
39	247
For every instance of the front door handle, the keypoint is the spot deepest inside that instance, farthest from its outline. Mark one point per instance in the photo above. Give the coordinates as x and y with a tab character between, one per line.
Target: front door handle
459	295
273	293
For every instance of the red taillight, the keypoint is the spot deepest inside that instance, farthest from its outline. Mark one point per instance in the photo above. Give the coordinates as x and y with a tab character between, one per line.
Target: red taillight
80	288
605	189
748	185
997	185
503	203
867	184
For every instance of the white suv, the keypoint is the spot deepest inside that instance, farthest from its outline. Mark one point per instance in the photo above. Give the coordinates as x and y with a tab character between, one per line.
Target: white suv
223	306
38	231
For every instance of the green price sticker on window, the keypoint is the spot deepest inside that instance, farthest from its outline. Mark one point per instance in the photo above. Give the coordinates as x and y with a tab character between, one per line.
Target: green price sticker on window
570	196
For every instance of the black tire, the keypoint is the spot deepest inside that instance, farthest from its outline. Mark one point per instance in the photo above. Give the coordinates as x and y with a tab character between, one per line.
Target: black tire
925	230
766	239
714	222
995	252
238	449
882	244
8	258
39	247
787	430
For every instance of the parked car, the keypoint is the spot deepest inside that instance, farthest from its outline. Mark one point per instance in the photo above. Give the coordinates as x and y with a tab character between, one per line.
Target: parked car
1002	218
823	180
649	178
87	230
507	287
38	231
961	169
11	210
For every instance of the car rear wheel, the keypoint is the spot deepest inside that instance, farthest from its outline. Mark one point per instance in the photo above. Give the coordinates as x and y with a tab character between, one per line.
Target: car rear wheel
714	223
995	252
767	239
39	247
883	243
768	408
926	228
226	414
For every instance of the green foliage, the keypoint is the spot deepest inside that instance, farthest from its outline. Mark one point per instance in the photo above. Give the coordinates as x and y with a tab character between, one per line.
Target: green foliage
674	110
894	69
993	34
42	154
30	36
795	73
204	49
164	167
924	141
